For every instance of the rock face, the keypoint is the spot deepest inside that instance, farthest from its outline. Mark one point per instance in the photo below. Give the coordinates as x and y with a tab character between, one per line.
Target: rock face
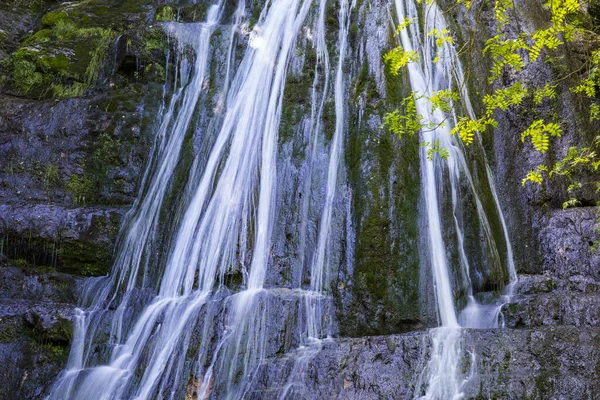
69	166
510	364
36	310
82	85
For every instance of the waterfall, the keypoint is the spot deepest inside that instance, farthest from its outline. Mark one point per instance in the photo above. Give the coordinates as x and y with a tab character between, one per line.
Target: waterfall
316	296
439	68
168	322
224	219
116	379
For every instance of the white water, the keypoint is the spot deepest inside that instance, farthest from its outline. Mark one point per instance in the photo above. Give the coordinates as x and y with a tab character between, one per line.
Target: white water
442	379
228	215
315	297
82	380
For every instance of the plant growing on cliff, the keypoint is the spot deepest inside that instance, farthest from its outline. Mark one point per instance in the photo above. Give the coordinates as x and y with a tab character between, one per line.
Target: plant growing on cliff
508	52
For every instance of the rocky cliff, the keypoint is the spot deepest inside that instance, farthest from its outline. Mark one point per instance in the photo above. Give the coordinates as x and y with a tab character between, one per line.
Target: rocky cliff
82	83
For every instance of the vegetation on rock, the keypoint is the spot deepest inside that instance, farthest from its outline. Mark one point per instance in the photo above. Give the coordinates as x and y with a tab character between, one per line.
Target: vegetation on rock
573	23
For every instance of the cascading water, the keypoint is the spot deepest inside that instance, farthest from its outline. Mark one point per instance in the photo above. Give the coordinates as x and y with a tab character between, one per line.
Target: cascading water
227	219
315	297
437	69
115	379
149	318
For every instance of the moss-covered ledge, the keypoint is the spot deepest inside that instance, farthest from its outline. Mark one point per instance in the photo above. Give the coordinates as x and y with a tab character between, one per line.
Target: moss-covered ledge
78	241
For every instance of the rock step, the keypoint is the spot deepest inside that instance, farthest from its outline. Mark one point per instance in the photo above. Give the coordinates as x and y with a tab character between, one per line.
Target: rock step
37	285
534	284
553	309
541	363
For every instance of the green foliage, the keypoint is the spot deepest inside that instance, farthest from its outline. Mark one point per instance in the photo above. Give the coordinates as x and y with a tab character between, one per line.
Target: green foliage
512	53
504	53
540	134
501	99
509	54
534	177
501	8
403	25
435	148
443	100
571	203
398	58
548	91
405	123
442	37
504	98
466	128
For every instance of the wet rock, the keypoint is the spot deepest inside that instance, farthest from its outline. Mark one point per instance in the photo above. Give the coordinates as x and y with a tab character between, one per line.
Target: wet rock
510	364
16	19
34	285
78	241
534	284
554	309
381	291
36	312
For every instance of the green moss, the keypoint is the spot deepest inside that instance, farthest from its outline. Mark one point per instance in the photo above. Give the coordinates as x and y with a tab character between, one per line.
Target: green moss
57	63
353	34
84	258
55	353
329	120
61	91
21	263
49	177
194	13
256	10
155	72
60	58
51	18
80	188
385	288
165	13
9	332
544	382
41	36
296	97
25	77
154	41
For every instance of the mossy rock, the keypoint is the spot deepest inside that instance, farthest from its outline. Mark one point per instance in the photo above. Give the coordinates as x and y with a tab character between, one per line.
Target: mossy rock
194	13
52	18
165	13
72	44
59	62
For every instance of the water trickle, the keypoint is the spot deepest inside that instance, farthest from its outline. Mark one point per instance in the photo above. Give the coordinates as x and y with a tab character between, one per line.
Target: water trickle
228	214
157	328
438	68
316	298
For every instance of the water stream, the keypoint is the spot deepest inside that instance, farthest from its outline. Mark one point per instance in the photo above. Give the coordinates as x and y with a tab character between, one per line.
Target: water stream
438	68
